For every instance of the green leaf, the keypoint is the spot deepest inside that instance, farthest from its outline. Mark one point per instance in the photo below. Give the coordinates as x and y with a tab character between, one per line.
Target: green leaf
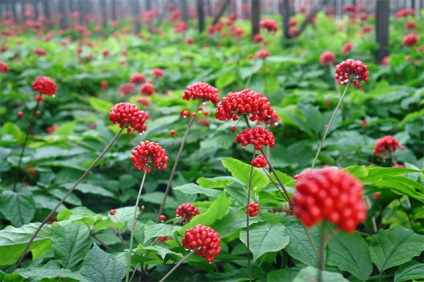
101	266
216	211
153	230
191	188
41	274
216	182
225	80
101	105
282	59
299	246
292	116
356	261
71	243
221	142
233	222
410	271
161	251
241	171
286	274
245	72
90	189
65	129
311	274
18	207
13	241
10	128
394	247
265	238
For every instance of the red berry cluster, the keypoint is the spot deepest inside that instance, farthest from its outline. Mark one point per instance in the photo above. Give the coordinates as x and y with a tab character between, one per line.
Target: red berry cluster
258	137
40	52
201	91
137	78
347	48
204	240
128	115
262	54
157	73
410	40
147	89
330	194
386	144
273	119
126	89
259	161
147	152
44	85
252	209
269	25
187	211
351	67
4	68
245	102
327	58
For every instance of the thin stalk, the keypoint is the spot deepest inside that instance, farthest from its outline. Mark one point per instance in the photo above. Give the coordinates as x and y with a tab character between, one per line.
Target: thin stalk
102	243
327	127
321	253
31	122
133	226
177	265
119	236
249	267
310	239
174	168
66	196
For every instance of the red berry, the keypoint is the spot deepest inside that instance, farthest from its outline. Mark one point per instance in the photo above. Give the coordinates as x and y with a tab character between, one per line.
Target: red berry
20	114
173	132
4	68
112	212
204	240
252	209
259	161
37	113
162	217
187	211
201	91
147	152
163	238
205	113
185	113
33	171
195	114
330	194
233	128
157	73
44	85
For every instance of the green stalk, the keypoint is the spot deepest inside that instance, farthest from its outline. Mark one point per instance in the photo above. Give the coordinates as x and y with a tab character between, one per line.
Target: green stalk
327	128
133	226
249	267
66	196
177	265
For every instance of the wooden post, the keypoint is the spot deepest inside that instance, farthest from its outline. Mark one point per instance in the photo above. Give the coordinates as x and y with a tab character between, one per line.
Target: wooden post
256	16
382	28
200	15
285	13
221	11
184	11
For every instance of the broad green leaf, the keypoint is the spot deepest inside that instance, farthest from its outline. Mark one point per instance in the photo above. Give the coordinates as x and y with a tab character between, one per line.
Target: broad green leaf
221	142
101	105
153	230
233	222
311	274
292	116
10	128
410	271
65	129
161	251
216	211
241	171
56	152
225	79
284	59
299	246
245	72
41	274
90	189
216	182
265	238
101	266
13	241
18	207
286	274
394	247
191	188
356	261
70	243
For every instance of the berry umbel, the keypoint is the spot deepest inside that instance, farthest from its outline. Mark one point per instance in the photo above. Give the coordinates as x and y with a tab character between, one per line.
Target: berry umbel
186	211
258	137
353	68
386	144
201	91
128	115
44	85
204	240
330	194
149	152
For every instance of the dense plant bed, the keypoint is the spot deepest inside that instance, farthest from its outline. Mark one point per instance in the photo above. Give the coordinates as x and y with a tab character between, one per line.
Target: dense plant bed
211	156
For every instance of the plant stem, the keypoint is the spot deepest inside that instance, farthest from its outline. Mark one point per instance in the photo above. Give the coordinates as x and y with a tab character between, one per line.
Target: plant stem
66	196
133	226
249	267
327	127
174	168
177	265
119	236
321	252
31	122
103	243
